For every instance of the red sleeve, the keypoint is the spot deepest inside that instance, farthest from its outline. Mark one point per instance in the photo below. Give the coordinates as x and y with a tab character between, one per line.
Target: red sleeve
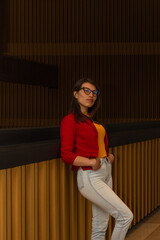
68	132
106	143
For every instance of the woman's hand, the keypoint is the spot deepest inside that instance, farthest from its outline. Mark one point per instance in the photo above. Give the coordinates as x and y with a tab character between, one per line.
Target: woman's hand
110	157
95	164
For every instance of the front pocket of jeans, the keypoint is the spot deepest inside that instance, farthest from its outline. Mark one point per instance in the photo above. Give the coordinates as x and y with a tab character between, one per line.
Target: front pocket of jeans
80	181
101	169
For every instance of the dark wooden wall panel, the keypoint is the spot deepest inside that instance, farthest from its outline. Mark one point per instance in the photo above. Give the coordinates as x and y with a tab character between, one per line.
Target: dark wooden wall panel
114	42
91	21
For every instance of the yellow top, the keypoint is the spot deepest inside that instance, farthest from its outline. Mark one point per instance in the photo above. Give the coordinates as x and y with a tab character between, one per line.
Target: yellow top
101	144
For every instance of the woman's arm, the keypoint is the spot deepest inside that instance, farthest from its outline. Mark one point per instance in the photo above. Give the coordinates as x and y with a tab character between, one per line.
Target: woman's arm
82	161
68	133
110	157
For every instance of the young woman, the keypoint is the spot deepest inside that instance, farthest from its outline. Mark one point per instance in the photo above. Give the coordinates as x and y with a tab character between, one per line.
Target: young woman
84	145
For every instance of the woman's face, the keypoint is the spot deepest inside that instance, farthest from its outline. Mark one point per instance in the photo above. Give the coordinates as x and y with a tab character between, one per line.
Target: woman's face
85	101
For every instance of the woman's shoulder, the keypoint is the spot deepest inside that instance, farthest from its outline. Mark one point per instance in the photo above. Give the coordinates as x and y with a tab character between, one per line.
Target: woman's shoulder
68	125
68	118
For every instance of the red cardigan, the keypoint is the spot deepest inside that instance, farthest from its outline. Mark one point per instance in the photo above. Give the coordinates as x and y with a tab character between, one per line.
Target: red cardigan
79	139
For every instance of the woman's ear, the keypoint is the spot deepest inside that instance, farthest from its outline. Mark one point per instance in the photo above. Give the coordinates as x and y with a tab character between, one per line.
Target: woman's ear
75	94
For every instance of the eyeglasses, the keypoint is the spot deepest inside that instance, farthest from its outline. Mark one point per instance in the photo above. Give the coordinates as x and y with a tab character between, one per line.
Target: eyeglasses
87	91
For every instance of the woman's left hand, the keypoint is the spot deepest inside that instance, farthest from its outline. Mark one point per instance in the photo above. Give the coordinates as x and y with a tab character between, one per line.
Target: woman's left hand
110	157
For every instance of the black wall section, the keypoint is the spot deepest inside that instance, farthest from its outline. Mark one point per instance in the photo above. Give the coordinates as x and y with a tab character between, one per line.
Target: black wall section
19	70
4	25
24	146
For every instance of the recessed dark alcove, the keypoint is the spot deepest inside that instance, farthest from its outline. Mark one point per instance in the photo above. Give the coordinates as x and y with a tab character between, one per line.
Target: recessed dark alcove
19	70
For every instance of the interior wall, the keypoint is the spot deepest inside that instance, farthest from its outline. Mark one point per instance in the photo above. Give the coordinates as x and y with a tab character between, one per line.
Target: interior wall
114	42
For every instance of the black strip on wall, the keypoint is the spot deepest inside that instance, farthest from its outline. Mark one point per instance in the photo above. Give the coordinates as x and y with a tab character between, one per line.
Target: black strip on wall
29	145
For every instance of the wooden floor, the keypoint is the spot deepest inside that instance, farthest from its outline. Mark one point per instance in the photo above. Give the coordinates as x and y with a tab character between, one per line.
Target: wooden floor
148	229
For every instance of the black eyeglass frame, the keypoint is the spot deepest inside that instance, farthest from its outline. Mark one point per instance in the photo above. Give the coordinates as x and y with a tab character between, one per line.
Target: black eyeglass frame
96	92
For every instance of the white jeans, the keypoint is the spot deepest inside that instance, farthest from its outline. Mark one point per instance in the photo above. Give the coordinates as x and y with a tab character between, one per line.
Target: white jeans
96	186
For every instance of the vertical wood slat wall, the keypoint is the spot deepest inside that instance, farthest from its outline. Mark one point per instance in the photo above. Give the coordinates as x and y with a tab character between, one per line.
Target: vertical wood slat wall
40	201
123	99
115	42
92	21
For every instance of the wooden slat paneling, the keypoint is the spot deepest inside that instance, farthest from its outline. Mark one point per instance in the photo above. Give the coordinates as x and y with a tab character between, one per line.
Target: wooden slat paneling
127	69
124	21
122	99
41	200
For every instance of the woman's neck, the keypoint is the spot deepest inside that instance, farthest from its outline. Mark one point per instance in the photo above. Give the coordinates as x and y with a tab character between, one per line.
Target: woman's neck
84	111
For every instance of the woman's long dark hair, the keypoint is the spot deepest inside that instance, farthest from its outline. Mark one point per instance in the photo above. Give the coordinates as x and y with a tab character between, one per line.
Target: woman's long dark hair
75	105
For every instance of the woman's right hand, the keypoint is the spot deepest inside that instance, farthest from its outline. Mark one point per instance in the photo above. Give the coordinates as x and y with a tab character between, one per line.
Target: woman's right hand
96	164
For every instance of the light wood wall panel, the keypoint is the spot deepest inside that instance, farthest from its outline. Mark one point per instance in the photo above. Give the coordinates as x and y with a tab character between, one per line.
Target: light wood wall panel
41	201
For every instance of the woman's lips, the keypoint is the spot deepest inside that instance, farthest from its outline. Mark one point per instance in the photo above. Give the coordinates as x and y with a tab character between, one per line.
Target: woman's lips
90	100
